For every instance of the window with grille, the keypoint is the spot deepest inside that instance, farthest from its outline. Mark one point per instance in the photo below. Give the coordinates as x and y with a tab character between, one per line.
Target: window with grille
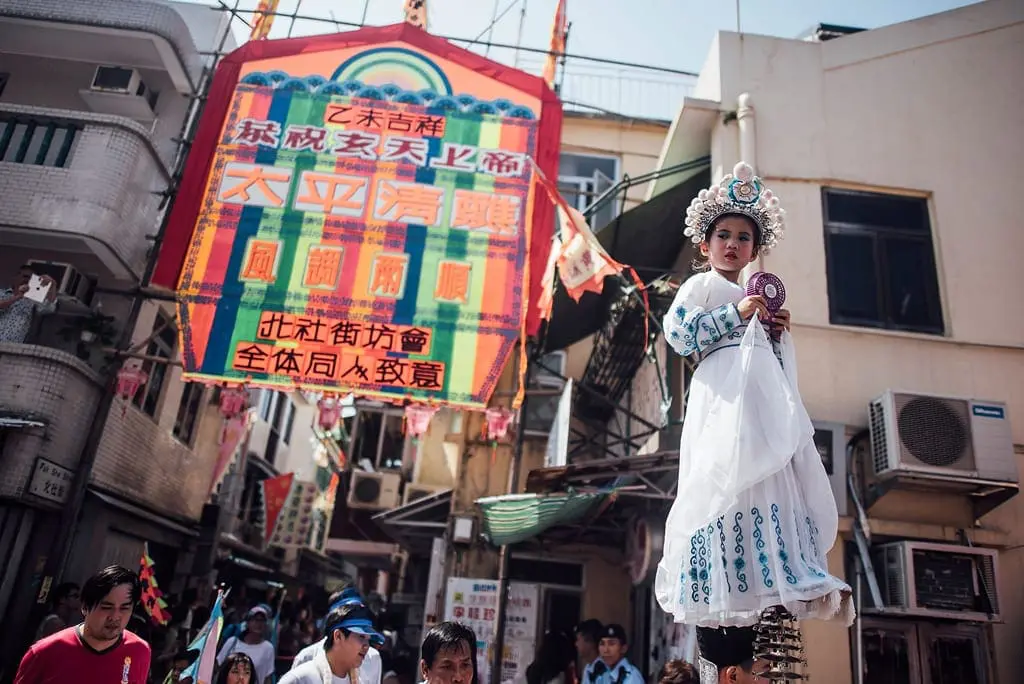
36	140
187	420
881	262
583	178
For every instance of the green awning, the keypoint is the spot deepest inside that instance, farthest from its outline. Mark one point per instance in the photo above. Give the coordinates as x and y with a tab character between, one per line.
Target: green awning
514	518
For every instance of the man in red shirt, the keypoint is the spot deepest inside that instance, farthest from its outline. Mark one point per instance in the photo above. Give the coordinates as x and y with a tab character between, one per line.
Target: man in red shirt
99	650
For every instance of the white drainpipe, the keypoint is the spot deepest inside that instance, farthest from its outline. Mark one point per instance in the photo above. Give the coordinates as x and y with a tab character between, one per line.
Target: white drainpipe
748	134
748	153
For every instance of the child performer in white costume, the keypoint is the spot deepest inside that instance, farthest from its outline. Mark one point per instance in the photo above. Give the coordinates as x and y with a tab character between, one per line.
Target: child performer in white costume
754	513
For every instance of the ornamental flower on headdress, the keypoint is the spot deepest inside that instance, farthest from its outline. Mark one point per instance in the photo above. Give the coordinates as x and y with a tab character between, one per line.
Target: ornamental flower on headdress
742	193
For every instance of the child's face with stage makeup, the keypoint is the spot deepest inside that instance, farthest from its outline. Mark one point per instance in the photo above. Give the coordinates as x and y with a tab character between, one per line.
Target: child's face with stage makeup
730	244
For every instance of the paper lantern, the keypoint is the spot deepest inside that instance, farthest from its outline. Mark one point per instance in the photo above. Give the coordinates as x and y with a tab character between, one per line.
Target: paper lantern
129	380
498	420
330	412
233	400
417	419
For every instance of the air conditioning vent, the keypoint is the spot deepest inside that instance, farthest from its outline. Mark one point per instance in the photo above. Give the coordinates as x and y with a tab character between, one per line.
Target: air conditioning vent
122	92
944	438
938	580
374	491
542	377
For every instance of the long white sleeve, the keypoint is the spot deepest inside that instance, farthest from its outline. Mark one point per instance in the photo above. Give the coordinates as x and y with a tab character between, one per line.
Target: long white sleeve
690	327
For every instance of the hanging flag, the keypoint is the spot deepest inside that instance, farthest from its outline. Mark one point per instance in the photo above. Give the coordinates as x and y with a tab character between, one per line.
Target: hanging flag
274	492
416	13
296	518
150	595
262	19
582	262
559	29
205	643
233	434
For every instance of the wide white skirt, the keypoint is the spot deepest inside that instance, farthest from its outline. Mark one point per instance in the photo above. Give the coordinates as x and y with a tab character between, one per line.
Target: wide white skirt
754	513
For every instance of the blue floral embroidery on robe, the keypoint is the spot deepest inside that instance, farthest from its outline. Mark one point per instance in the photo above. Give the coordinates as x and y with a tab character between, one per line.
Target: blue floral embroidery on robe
693	330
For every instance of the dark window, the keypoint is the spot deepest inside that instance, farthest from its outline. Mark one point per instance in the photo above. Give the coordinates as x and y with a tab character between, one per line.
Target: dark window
880	261
188	412
34	140
161	346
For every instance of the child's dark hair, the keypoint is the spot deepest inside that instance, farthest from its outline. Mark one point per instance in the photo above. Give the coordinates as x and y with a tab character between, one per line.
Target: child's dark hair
678	672
701	263
232	660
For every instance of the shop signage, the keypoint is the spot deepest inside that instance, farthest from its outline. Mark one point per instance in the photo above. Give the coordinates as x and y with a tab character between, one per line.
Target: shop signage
50	481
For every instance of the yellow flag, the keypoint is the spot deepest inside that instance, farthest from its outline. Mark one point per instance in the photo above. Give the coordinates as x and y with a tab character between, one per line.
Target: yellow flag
263	19
558	30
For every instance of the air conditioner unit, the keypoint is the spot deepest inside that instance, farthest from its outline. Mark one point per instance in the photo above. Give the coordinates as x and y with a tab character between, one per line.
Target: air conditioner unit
541	377
949	441
414	492
122	92
112	79
374	491
937	580
69	280
830	441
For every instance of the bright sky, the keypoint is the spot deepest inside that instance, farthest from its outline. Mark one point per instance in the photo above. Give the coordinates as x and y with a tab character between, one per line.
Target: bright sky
668	33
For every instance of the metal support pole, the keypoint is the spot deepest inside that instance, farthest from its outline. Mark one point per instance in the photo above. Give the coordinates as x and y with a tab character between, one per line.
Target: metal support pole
503	556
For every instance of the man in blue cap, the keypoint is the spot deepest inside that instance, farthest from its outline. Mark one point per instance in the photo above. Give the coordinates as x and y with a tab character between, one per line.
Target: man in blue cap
349	631
370	669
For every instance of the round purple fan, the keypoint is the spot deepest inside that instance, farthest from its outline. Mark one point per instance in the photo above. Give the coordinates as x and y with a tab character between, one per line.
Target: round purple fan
769	286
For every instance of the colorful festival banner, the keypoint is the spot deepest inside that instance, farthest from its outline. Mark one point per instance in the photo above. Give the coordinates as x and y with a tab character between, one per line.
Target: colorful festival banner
365	218
274	493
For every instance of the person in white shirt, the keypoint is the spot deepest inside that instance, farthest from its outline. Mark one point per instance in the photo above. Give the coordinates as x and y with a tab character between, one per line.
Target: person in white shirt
349	632
253	643
370	670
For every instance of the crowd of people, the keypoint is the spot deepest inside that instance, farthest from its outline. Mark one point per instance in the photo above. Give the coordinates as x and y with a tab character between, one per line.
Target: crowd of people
86	639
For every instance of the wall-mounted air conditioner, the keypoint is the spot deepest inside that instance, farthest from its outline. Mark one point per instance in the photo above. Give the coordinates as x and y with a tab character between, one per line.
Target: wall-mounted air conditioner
937	580
830	441
542	377
945	439
70	281
374	491
414	492
122	92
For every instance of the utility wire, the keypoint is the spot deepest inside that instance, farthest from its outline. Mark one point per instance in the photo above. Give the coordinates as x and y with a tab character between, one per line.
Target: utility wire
483	43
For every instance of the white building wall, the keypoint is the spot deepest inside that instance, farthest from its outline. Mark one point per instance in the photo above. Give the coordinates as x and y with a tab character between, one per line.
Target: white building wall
925	108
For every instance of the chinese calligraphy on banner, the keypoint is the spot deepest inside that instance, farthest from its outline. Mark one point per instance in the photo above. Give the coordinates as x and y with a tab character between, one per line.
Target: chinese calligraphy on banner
362	235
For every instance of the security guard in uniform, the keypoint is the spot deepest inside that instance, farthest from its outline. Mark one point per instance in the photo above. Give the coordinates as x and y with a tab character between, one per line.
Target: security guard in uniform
614	667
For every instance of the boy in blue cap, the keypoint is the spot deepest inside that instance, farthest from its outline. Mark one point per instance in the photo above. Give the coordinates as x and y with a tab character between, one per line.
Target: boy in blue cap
370	669
349	633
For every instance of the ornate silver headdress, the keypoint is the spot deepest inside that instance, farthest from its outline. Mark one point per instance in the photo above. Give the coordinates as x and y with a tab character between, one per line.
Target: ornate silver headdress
740	192
780	645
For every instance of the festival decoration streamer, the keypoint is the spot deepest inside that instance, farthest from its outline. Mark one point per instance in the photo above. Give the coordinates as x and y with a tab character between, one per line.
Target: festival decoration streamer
151	596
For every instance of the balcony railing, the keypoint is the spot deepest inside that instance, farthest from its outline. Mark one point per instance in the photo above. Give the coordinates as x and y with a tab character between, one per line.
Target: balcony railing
72	174
41	141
